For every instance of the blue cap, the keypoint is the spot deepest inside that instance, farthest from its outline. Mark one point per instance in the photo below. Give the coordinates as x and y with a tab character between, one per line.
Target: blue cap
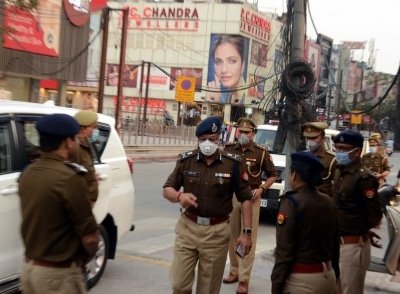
211	125
306	161
349	137
57	125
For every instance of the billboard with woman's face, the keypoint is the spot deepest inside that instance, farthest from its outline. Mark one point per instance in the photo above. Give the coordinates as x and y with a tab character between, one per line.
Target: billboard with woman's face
227	68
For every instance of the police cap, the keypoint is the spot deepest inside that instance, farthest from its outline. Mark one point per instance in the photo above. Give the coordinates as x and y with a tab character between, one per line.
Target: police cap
245	124
86	118
306	161
57	125
313	129
349	137
211	125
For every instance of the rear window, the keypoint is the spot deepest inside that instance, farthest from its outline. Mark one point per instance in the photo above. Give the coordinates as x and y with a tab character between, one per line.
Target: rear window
100	144
265	138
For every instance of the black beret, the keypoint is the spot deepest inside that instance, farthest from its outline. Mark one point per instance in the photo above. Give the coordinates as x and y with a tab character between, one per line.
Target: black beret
211	125
57	125
306	161
349	137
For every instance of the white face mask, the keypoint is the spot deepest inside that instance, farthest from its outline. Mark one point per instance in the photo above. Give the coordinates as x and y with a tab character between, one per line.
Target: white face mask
373	149
243	139
208	148
311	145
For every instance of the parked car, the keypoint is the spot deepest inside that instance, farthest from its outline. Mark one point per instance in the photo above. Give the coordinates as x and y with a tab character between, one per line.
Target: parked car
113	209
265	136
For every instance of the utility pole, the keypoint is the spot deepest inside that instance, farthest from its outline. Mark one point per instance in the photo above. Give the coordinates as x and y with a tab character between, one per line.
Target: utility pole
106	20
146	92
397	120
292	104
125	14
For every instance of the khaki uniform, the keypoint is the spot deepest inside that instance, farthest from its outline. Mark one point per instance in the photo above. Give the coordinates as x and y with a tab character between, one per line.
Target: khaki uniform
85	158
358	210
376	163
327	158
207	245
256	159
54	218
307	252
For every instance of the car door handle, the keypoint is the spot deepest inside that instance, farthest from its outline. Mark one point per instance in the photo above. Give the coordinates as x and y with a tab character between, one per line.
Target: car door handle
9	191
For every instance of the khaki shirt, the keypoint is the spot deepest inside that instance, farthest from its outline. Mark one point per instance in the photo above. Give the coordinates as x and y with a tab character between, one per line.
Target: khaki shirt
54	214
213	185
85	158
327	159
356	197
306	233
376	162
256	159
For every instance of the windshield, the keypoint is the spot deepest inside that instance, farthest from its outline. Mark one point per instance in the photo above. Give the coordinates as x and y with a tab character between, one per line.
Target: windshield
265	138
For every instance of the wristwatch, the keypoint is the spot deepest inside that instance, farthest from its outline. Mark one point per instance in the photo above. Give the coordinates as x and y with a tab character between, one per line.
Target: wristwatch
247	231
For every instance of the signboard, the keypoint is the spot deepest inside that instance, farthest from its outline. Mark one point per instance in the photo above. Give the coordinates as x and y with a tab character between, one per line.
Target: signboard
356	119
254	24
36	31
185	89
353	45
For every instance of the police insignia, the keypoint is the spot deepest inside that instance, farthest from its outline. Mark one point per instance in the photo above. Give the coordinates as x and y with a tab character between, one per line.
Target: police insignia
214	128
220	181
245	176
281	218
369	193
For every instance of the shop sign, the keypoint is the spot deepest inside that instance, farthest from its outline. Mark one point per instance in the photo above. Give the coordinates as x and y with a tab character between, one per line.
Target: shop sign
78	11
254	24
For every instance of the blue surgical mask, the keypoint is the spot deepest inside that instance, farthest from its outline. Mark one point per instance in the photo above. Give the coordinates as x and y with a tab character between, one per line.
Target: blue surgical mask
343	158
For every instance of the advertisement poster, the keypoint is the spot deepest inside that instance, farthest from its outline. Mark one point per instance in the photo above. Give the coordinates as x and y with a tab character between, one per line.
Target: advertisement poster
257	88
227	69
130	77
258	54
313	57
186	72
37	31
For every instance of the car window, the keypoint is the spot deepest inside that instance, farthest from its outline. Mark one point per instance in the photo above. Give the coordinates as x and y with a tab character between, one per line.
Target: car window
100	144
265	138
5	148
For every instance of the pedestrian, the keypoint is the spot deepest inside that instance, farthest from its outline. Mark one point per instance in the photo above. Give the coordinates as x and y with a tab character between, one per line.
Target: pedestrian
307	242
209	177
358	210
376	162
88	134
314	134
58	229
256	160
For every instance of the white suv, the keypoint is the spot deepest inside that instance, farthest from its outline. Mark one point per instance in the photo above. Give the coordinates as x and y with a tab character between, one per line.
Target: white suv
113	209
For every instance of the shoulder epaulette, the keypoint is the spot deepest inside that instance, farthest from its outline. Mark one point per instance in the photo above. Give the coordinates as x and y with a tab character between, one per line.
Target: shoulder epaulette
230	144
80	169
187	154
233	156
261	147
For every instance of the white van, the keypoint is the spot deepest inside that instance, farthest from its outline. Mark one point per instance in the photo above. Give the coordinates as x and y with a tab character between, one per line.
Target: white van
113	209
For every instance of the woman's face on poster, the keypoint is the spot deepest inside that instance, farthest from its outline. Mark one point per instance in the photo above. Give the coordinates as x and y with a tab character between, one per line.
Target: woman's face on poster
228	65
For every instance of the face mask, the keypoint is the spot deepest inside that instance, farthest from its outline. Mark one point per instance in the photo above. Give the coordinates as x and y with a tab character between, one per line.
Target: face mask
372	149
95	136
311	145
243	140
343	158
208	148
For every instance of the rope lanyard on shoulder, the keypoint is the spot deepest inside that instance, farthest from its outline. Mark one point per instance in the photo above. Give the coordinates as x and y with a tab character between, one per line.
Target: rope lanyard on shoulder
330	169
259	172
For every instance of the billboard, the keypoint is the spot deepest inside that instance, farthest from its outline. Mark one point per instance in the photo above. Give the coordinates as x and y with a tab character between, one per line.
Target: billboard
130	77
36	31
258	54
313	57
227	68
257	86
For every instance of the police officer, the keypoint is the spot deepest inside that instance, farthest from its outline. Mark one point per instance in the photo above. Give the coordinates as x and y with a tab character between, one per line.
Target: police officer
375	161
209	178
307	244
88	132
314	134
256	160
358	210
58	228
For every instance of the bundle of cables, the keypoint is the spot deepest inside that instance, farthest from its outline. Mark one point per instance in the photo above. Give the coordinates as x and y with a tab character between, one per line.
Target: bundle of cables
297	80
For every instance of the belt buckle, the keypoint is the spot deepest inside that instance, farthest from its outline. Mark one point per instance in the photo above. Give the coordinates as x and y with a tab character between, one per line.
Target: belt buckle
205	221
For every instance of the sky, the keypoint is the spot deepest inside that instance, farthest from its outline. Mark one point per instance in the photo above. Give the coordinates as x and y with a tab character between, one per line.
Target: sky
355	20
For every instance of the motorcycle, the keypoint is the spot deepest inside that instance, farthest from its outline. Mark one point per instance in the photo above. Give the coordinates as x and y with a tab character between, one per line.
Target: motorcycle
390	262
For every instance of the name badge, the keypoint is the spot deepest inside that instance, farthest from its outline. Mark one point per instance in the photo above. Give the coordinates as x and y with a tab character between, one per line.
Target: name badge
191	173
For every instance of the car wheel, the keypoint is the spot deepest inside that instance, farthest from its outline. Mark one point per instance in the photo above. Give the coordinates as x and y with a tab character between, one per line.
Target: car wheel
96	267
